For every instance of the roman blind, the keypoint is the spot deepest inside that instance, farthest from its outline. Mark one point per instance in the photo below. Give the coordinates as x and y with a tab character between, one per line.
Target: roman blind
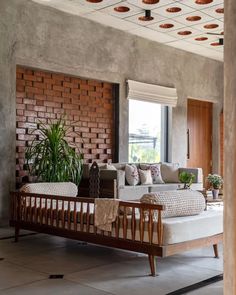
152	93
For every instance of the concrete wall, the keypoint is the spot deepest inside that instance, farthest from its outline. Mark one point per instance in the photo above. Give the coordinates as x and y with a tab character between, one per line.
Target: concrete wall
41	37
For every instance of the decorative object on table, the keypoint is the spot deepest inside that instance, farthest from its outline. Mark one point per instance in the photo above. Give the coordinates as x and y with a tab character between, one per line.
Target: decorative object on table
51	158
216	182
187	179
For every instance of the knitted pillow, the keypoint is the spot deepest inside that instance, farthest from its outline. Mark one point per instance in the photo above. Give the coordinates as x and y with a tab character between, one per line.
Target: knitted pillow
131	174
67	189
178	202
145	176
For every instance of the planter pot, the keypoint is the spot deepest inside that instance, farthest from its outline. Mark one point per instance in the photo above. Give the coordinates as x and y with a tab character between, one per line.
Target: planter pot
215	193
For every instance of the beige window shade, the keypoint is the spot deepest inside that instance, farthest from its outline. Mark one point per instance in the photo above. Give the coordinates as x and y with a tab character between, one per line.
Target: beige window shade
152	93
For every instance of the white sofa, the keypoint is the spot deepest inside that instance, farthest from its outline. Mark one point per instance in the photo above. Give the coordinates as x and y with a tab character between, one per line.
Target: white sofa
122	190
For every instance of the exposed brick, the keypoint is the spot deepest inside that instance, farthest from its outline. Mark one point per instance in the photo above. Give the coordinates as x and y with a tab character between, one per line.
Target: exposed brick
33	90
45	97
39	85
29	77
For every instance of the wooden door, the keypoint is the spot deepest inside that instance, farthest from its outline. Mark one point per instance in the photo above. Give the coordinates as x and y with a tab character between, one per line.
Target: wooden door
199	124
221	143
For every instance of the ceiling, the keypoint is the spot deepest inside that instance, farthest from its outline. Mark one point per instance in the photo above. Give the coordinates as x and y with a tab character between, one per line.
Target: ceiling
183	24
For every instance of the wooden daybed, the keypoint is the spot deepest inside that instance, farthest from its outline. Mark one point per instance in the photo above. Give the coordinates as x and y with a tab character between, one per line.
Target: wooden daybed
139	227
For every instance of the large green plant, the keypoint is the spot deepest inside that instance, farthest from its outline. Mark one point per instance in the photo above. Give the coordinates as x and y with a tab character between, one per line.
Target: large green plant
50	158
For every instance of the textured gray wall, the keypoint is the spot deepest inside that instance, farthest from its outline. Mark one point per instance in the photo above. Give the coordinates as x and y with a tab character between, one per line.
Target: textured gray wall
41	37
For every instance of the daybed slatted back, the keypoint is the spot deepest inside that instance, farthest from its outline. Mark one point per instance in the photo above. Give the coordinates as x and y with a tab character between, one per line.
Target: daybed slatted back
65	214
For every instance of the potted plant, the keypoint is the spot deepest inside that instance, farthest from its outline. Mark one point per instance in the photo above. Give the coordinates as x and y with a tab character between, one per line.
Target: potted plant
216	182
50	157
186	178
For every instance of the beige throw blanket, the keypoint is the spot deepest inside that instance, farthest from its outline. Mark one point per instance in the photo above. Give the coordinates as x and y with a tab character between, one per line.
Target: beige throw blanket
106	211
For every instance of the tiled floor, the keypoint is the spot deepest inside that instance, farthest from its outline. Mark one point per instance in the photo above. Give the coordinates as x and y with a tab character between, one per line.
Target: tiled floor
94	270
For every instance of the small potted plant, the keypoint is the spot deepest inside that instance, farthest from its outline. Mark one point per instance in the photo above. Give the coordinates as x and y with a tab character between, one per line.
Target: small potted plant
187	179
216	182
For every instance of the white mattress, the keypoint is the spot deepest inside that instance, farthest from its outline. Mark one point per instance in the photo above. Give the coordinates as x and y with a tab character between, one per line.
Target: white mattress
175	229
186	228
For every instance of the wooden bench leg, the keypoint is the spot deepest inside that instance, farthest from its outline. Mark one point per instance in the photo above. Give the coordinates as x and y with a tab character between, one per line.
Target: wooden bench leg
216	251
152	264
17	231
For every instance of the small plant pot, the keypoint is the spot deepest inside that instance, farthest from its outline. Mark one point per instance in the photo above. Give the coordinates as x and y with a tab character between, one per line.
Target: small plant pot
215	193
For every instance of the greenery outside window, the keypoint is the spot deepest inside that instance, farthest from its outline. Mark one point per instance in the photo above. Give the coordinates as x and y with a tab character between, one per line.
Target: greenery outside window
147	131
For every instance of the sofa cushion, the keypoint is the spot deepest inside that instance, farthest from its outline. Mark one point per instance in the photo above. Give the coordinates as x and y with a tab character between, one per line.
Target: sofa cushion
177	202
163	187
131	174
170	172
67	189
145	176
107	166
155	172
129	192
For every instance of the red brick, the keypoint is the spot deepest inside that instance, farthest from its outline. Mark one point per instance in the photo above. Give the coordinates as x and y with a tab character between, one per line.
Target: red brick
20	106
39	85
33	90
40	108
20	94
52	92
29	101
52	104
20	131
29	77
30	114
69	106
57	88
98	130
20	88
43	74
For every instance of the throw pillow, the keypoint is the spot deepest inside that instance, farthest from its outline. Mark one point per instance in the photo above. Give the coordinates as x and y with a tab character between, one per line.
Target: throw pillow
170	172
145	176
177	203
155	172
131	174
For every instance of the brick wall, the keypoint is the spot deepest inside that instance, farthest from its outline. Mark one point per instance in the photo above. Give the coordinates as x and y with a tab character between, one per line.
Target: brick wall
87	104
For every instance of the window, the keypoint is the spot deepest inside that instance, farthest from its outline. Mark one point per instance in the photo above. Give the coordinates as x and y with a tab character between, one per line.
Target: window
146	131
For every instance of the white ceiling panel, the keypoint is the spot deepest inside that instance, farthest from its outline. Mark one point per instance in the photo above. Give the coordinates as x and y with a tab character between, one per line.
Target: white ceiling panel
163	10
195	6
212	11
206	27
98	5
135	19
158	26
140	4
194	32
203	18
126	18
133	10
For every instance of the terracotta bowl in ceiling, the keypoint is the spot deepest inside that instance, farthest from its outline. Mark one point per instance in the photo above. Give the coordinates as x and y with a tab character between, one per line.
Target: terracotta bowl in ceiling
211	26
184	33
121	9
150	1
173	9
146	18
193	18
94	1
201	39
216	44
219	10
166	26
202	2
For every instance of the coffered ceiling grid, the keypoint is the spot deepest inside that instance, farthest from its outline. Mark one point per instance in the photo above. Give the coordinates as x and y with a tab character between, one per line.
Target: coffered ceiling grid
183	24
